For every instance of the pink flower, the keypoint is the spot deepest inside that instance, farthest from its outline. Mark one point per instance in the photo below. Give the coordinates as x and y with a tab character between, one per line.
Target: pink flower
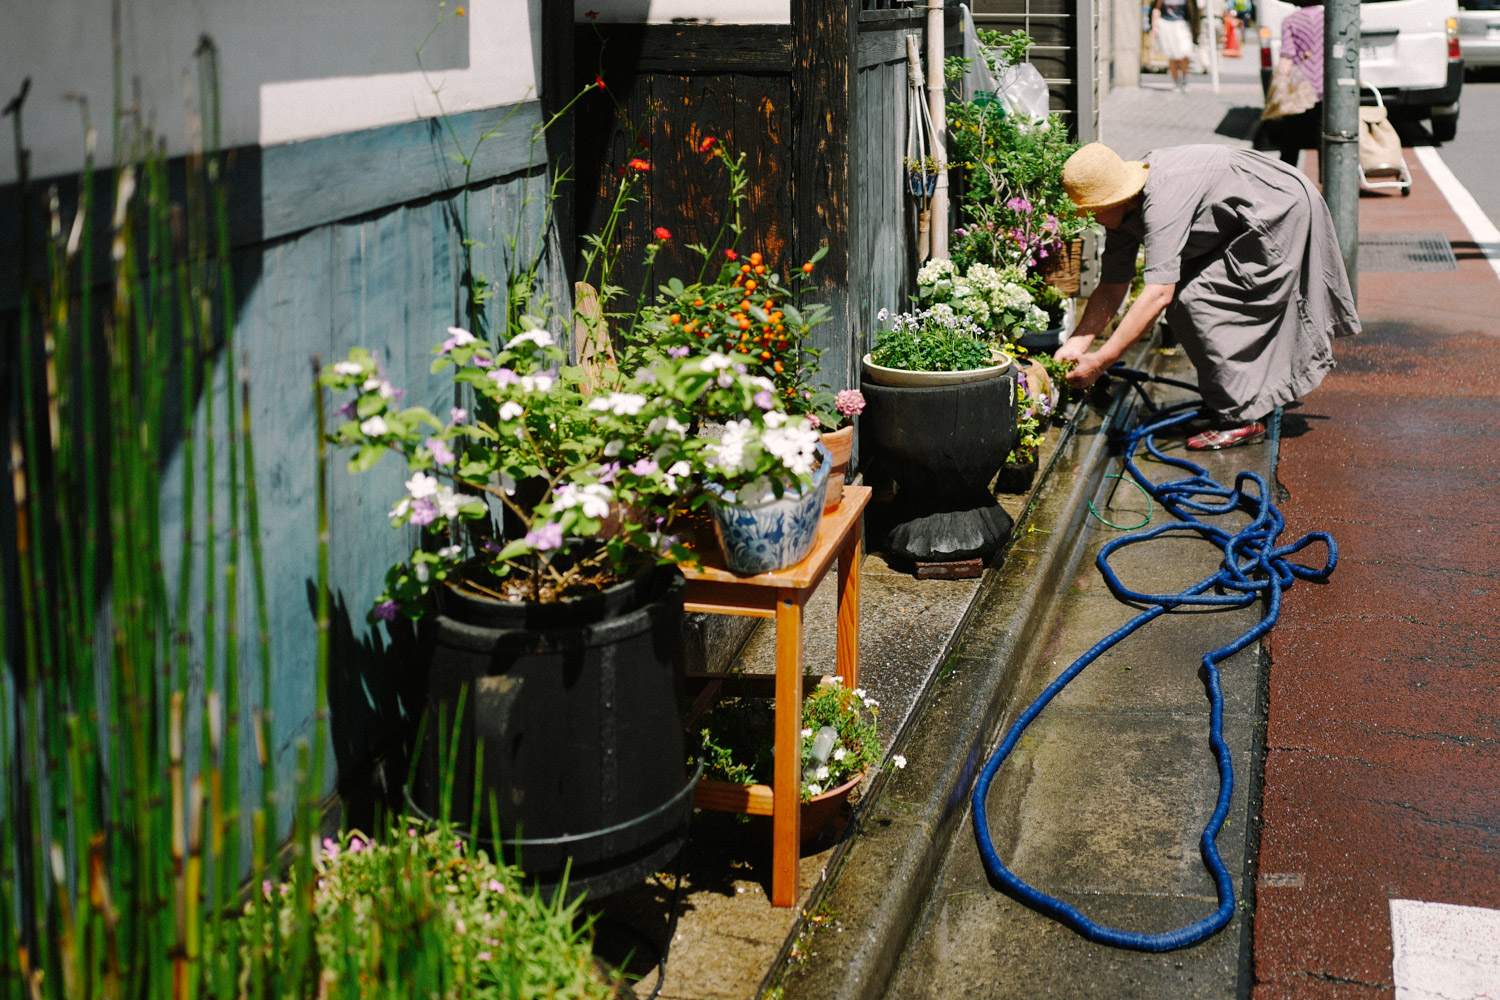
548	536
764	400
849	402
440	453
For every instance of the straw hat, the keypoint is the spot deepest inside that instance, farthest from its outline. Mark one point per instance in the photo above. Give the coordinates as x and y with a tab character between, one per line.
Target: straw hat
1096	178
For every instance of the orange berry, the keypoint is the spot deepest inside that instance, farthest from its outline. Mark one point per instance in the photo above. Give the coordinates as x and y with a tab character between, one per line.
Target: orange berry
807	268
745	305
744	324
760	269
674	318
750	285
778	368
697	302
756	258
745	267
777	316
765	355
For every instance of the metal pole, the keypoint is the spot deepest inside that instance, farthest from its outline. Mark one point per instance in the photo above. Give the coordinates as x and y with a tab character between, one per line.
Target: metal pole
1339	163
935	54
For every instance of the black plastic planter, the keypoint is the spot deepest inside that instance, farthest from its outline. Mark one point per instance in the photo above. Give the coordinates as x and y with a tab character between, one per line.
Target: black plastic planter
943	446
577	706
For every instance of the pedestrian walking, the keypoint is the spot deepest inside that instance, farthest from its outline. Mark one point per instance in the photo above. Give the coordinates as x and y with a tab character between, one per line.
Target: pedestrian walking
1175	23
1240	253
1302	51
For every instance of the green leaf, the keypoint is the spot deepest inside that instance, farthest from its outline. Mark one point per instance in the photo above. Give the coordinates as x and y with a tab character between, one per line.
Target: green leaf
413	413
369	405
366	457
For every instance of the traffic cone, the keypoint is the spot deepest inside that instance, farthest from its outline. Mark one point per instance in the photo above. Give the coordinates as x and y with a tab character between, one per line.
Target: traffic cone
1231	35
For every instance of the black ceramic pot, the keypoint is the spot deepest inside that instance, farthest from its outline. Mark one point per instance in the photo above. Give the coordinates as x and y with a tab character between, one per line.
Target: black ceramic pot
577	705
943	446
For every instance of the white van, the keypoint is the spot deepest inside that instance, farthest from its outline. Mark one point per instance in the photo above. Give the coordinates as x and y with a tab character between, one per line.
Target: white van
1408	49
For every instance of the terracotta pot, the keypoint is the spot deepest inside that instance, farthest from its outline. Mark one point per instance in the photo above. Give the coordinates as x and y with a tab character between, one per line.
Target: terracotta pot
817	813
840	445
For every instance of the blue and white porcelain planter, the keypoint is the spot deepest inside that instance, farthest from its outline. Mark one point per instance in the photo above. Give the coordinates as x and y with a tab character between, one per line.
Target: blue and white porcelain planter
773	534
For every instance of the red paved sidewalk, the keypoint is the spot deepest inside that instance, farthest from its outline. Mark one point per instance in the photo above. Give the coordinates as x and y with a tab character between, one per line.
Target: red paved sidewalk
1383	761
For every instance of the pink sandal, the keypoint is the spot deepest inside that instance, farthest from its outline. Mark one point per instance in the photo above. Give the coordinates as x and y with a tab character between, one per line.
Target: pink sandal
1231	437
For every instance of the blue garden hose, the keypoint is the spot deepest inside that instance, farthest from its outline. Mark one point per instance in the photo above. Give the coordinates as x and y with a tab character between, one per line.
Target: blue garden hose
1254	566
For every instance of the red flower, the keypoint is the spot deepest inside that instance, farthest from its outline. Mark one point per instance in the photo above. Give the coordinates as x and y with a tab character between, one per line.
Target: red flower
641	142
639	164
599	82
731	254
619	171
706	144
592	15
663	233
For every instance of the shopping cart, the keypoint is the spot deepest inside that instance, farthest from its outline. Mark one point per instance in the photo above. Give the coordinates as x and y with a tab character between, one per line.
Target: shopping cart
1381	164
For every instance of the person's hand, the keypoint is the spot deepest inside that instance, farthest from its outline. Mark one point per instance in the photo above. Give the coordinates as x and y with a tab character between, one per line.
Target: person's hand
1073	348
1087	371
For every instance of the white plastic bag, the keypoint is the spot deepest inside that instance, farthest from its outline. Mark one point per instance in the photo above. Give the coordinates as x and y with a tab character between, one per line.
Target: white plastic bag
977	78
1024	91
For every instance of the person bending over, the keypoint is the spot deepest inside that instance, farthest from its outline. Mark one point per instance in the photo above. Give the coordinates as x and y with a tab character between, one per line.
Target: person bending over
1241	255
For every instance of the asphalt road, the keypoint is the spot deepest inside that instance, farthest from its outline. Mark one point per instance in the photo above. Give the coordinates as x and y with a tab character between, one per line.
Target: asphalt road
1471	156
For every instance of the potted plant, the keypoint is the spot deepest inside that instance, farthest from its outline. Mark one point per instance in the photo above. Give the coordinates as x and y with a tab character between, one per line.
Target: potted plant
546	512
840	743
922	175
999	301
940	417
1014	206
839	440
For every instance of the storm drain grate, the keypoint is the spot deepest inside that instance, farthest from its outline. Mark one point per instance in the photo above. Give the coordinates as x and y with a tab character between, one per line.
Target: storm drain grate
1406	252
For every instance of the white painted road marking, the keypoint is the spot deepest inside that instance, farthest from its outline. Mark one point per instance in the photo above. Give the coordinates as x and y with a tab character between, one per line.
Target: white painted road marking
1464	206
1444	952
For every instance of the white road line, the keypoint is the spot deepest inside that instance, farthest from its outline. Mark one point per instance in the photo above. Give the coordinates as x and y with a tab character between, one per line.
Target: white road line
1444	952
1464	206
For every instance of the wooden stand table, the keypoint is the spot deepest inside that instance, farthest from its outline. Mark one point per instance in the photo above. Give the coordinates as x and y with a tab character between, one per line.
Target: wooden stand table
781	595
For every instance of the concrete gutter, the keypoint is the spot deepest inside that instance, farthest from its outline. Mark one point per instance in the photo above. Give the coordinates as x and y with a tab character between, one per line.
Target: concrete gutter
878	885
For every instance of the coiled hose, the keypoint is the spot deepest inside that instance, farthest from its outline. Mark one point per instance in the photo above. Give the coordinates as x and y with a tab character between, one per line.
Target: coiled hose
1254	566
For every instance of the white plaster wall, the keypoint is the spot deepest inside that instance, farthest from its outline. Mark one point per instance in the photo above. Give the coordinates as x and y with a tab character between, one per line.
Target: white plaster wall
289	69
690	11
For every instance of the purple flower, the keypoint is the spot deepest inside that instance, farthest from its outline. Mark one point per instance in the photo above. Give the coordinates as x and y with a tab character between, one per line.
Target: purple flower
440	453
548	536
490	546
423	512
458	414
764	400
459	336
386	611
480	361
644	467
608	472
504	377
349	410
678	352
849	402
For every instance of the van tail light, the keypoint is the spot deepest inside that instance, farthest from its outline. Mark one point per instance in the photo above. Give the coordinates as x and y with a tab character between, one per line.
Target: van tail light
1265	45
1452	27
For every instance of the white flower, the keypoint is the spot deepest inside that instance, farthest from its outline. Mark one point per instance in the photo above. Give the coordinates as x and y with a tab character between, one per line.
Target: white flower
448	502
883	315
421	485
511	410
613	448
399	511
806	733
936	270
821	773
670	477
375	426
348	368
459	336
795	444
422	572
729	452
659	424
593	499
449	551
840	753
372	383
716	362
621	404
813	788
540	338
537	383
899	760
859	693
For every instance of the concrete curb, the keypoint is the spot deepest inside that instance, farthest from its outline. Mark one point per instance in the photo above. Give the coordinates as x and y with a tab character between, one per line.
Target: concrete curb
879	885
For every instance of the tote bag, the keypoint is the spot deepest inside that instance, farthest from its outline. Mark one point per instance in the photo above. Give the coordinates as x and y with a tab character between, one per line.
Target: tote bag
1290	93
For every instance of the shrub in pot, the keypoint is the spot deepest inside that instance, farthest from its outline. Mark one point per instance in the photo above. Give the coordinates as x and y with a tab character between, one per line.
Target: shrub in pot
940	417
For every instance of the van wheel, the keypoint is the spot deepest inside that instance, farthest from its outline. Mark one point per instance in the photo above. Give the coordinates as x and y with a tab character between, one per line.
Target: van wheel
1444	127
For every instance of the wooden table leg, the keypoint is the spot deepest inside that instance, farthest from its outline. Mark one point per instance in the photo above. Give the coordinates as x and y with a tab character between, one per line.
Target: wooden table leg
848	620
786	816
